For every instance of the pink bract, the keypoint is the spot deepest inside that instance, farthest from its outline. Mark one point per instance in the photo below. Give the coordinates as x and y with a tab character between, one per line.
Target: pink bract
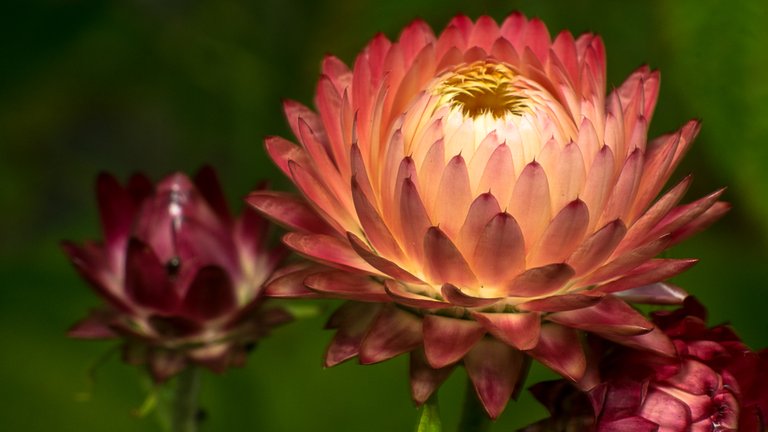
716	384
480	197
181	277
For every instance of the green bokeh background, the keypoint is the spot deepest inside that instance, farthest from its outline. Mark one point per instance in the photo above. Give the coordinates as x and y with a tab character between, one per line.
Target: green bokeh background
163	85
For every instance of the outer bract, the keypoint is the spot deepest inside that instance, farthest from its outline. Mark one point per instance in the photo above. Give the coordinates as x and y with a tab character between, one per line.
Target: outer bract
485	196
717	384
182	278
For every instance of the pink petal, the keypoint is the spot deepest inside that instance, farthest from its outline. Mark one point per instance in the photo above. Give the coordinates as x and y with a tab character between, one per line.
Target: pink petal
384	265
610	316
97	325
540	281
495	370
116	210
530	204
210	295
597	248
326	249
288	210
146	280
625	189
411	299
459	298
282	151
710	216
484	33
480	213
444	263
642	226
424	378
348	286
447	340
659	293
413	220
453	196
563	302
648	272
626	261
599	184
497	175
560	349
519	330
562	236
352	320
500	251
288	282
376	230
393	332
655	341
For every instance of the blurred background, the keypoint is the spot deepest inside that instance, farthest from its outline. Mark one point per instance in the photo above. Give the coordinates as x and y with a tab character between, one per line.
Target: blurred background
164	85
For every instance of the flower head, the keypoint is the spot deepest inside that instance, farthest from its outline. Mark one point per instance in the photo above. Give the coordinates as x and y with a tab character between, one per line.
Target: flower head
716	384
481	189
182	279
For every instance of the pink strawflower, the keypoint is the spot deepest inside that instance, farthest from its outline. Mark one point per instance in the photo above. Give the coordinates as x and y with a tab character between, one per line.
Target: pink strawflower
716	384
181	277
482	199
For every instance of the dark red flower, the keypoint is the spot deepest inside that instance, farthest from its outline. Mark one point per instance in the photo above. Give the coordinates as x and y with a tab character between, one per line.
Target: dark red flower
181	277
715	384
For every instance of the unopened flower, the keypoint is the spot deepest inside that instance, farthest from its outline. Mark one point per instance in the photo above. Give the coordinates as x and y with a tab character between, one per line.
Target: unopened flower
486	199
182	278
716	384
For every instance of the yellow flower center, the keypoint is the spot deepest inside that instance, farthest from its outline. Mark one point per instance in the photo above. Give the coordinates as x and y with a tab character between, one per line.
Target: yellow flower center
483	87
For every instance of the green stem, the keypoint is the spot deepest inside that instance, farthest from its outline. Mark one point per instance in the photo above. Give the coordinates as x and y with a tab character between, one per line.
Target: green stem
473	416
185	408
429	418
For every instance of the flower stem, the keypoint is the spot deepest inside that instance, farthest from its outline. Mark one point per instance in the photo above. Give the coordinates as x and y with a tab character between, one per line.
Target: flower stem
473	416
185	408
429	418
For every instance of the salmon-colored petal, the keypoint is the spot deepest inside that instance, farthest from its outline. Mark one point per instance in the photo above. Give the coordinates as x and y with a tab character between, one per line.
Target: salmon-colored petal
540	281
609	317
480	213
519	330
459	298
330	250
382	264
648	272
560	349
562	236
424	378
392	333
496	176
288	210
409	298
376	230
447	340
453	197
500	252
484	33
530	203
495	370
348	286
288	282
414	221
352	321
597	248
659	293
444	262
562	302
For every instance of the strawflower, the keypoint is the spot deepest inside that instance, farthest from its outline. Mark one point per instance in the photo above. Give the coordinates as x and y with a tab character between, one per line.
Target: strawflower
717	384
480	200
181	278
